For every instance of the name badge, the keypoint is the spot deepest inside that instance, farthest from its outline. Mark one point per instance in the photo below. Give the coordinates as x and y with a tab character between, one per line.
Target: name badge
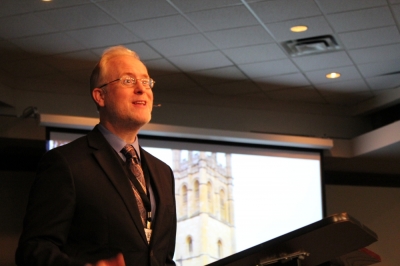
147	232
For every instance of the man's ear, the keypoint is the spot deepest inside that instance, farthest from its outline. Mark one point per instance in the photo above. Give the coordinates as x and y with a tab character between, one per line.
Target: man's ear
98	96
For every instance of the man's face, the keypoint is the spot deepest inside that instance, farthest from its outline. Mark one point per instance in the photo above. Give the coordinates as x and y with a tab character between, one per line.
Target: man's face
127	106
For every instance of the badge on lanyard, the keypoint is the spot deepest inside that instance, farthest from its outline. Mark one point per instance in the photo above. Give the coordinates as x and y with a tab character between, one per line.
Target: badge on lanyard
147	229
147	232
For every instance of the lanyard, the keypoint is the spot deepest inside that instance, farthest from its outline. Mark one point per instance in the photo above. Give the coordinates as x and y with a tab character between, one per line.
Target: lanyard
145	197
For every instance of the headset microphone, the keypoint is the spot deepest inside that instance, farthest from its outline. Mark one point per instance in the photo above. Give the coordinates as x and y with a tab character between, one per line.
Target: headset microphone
157	105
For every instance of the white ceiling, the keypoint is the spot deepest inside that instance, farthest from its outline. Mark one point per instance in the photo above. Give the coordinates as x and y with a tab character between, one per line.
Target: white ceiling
200	51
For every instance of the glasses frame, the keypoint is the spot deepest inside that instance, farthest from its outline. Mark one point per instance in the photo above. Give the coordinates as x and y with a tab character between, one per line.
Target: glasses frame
150	82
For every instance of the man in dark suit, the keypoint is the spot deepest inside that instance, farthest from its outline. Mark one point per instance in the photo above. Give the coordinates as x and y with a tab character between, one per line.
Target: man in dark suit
84	206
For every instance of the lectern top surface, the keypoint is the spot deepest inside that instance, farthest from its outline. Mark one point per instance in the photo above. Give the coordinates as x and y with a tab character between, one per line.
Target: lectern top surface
322	241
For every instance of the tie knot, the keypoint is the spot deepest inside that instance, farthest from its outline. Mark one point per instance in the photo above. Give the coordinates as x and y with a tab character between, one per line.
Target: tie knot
129	152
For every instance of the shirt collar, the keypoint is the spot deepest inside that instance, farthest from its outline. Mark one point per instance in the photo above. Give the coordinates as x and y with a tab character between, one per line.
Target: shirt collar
117	143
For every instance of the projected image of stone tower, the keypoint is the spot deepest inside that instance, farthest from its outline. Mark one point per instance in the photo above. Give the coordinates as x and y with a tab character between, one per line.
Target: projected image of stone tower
203	190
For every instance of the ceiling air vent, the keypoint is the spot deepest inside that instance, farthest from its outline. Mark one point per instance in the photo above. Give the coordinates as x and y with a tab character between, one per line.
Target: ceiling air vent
306	46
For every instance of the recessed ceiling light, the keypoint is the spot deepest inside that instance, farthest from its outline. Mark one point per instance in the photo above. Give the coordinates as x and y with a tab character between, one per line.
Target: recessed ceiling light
333	75
299	28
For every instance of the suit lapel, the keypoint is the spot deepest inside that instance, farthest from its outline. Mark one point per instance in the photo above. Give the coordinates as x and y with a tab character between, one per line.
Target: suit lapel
110	163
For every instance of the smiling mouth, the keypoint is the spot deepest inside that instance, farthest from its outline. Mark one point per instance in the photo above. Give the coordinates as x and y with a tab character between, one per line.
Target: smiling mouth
140	102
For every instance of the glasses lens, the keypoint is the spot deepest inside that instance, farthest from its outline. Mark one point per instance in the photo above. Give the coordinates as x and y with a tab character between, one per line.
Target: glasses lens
151	83
148	82
130	82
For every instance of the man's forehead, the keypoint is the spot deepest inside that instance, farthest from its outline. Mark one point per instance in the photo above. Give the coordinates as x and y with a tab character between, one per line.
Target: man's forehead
122	62
126	65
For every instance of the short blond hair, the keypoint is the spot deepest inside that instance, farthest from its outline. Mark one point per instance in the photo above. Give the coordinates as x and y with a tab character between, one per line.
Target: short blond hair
99	71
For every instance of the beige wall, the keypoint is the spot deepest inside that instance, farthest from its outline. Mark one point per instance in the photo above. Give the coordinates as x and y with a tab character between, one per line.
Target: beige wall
378	208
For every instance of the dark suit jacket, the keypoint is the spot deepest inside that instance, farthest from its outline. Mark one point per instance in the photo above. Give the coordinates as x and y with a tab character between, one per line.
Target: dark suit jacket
82	209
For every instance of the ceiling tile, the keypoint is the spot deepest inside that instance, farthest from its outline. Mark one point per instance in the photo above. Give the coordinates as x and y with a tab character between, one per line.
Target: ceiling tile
173	82
344	86
234	88
274	11
76	17
98	51
183	93
190	6
103	36
322	61
375	54
380	68
384	82
257	53
144	51
194	62
304	94
195	43
217	75
222	18
269	68
55	43
128	10
282	81
23	25
15	7
22	7
163	27
361	19
329	6
160	67
347	73
346	99
396	11
238	37
72	61
371	37
281	30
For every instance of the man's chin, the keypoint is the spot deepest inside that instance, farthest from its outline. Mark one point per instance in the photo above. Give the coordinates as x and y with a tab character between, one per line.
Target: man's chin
141	122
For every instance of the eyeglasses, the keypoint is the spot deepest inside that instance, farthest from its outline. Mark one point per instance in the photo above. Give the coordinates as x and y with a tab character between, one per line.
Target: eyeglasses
131	82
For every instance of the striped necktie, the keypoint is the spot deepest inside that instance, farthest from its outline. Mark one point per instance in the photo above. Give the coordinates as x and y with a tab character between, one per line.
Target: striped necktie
130	154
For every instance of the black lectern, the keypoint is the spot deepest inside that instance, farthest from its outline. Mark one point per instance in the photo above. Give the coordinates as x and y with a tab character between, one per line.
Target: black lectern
316	244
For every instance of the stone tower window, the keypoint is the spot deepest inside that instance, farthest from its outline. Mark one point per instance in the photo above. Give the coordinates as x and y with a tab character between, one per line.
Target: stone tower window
196	202
184	200
219	249
189	243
